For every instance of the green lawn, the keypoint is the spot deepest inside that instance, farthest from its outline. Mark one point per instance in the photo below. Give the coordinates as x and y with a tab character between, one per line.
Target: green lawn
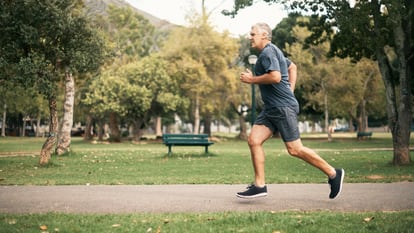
228	163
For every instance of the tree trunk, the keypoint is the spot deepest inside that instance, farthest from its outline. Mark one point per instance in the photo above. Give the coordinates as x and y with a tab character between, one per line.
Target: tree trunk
399	118
38	119
88	129
399	121
158	126
362	119
243	128
24	128
402	130
207	124
63	145
115	135
100	130
137	130
47	147
197	116
3	125
326	110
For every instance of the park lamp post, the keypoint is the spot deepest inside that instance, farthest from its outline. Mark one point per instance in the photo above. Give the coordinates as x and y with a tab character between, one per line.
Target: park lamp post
252	61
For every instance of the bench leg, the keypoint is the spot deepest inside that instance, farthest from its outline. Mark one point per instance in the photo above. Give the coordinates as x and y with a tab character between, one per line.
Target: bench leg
169	150
206	150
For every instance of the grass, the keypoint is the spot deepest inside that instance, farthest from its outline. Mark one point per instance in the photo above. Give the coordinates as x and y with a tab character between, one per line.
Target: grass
228	163
284	222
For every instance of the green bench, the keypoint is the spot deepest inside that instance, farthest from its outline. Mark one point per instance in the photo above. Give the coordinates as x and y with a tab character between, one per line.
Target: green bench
186	140
361	135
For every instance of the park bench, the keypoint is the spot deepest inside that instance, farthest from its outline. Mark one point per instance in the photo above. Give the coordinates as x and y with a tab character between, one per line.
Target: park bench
361	135
186	140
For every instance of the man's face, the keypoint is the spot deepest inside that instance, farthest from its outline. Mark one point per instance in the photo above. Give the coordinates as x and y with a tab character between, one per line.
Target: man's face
256	38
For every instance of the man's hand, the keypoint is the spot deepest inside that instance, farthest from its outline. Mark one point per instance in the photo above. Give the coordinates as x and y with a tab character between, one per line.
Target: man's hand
246	76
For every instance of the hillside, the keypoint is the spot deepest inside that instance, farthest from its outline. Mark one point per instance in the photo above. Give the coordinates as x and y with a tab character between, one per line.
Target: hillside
100	7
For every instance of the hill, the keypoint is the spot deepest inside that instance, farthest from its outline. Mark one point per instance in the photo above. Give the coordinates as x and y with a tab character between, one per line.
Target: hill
101	6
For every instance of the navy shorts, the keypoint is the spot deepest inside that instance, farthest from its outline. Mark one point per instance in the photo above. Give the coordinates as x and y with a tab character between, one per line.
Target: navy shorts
281	119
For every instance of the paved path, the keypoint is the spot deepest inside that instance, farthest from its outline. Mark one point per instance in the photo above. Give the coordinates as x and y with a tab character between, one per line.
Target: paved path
202	198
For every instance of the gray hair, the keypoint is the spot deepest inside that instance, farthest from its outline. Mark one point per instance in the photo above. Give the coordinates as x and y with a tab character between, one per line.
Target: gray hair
264	27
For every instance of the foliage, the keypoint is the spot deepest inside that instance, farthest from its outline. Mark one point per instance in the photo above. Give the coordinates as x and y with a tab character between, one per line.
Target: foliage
39	38
346	84
203	62
376	30
130	32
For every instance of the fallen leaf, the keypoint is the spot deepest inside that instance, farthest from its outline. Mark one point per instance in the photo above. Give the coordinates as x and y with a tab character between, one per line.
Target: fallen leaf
368	219
43	227
116	225
11	221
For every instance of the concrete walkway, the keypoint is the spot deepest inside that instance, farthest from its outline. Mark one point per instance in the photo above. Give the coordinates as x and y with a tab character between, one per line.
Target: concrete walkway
202	198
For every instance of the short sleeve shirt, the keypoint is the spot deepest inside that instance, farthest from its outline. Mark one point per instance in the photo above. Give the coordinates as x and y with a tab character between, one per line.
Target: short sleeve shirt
279	94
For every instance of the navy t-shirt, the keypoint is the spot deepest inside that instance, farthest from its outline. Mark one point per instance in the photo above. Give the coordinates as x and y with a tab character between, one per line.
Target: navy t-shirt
277	94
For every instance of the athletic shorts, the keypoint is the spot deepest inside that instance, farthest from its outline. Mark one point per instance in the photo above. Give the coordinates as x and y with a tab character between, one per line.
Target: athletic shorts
281	119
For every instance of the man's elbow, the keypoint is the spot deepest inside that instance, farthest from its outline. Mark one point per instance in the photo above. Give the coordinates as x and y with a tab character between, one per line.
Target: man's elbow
292	67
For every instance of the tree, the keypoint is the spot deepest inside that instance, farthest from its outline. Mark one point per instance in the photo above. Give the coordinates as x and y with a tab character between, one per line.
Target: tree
335	86
382	30
204	64
164	99
131	38
39	40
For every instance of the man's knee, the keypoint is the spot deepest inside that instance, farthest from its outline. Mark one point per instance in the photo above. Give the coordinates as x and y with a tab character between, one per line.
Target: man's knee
294	148
254	141
293	151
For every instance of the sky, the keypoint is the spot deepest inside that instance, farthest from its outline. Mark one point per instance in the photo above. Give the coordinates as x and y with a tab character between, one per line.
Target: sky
175	11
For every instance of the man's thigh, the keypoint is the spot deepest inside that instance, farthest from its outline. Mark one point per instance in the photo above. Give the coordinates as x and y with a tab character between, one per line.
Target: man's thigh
259	134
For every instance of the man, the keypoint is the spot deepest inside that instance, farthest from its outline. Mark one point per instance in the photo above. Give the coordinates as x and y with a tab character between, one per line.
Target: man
279	113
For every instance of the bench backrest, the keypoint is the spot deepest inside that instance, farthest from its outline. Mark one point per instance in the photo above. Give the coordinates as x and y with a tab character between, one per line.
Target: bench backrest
185	137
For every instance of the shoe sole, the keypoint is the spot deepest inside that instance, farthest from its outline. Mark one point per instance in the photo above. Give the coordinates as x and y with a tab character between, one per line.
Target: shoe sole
340	187
252	196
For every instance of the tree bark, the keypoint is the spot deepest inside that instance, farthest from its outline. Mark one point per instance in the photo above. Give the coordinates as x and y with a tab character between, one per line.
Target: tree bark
326	111
64	141
47	147
196	129
243	128
207	124
399	118
402	129
88	128
3	125
158	126
115	135
137	130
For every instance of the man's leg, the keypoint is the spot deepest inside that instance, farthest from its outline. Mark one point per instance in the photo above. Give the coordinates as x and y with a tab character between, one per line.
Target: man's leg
296	148
335	176
257	137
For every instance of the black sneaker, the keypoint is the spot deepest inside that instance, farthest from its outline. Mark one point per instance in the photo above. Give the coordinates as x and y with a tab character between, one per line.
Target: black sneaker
252	192
336	183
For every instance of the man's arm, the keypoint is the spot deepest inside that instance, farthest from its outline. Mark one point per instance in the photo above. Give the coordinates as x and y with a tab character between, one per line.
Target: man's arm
267	78
292	73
